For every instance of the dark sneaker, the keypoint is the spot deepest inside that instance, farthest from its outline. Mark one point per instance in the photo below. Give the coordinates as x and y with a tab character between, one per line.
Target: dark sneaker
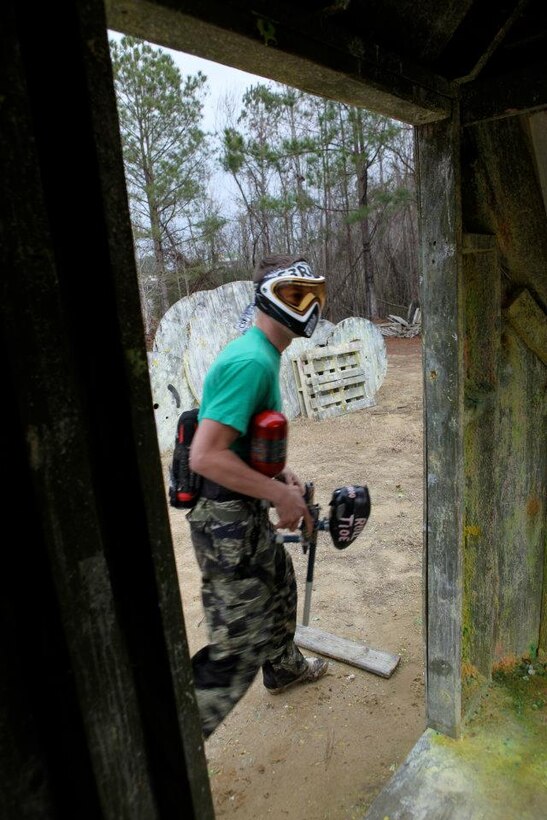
316	669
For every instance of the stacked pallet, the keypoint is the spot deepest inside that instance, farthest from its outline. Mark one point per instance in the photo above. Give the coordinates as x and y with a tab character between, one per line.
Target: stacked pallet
331	381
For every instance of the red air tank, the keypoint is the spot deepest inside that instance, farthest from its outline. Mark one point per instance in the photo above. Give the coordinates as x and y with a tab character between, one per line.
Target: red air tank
268	450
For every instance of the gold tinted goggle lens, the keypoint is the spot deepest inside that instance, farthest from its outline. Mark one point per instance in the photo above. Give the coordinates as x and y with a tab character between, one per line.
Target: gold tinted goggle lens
300	295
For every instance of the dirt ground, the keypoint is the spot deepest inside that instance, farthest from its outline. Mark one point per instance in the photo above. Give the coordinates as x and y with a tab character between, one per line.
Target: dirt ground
324	750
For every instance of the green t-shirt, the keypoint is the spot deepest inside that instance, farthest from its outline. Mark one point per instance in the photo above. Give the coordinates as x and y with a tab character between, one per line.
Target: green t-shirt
243	380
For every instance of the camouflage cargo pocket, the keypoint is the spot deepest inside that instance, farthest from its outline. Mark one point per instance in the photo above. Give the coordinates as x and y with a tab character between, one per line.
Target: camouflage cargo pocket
224	535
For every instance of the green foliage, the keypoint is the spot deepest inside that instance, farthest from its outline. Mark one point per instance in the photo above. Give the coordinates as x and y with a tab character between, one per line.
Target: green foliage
382	199
163	145
211	224
233	156
310	174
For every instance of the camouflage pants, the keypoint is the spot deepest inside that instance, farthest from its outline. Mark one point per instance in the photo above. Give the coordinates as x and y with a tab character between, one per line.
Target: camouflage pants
249	598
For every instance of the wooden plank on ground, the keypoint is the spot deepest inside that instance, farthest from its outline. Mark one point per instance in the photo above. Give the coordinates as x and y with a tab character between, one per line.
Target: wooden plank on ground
357	654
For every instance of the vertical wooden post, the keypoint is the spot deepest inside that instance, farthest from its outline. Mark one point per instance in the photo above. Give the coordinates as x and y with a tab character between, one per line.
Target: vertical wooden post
98	717
505	544
482	300
437	154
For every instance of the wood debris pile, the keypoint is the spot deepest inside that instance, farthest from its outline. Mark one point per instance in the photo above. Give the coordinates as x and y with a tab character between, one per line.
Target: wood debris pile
404	328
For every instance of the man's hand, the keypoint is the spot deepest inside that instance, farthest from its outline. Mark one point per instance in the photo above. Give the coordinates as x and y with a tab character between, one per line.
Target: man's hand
210	456
289	477
291	508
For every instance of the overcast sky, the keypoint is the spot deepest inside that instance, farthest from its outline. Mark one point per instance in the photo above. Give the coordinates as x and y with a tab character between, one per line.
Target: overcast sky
221	79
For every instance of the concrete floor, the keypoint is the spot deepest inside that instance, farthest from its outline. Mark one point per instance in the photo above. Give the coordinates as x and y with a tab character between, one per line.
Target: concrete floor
497	770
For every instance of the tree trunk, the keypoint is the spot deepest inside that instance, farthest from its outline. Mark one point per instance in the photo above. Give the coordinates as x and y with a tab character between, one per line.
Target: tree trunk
370	302
371	306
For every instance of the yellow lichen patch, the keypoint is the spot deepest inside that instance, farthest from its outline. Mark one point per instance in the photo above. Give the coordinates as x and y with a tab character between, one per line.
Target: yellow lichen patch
501	756
472	530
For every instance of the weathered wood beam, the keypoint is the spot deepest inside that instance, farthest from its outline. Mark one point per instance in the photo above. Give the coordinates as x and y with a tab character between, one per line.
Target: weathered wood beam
530	323
477	38
437	154
502	196
538	134
121	736
482	342
522	91
278	42
542	644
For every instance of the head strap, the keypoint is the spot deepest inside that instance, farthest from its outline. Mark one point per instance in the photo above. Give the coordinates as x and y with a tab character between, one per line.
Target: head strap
246	319
300	269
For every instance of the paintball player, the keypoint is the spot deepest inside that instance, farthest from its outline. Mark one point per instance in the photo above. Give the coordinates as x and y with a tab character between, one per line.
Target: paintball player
248	583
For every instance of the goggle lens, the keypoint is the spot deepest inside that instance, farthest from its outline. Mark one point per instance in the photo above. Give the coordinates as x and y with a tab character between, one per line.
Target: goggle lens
300	295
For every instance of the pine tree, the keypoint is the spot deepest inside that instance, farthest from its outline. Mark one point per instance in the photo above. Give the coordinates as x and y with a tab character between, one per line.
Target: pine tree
164	152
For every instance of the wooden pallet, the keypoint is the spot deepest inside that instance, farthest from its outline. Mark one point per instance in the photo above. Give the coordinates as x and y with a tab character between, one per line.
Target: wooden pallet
331	380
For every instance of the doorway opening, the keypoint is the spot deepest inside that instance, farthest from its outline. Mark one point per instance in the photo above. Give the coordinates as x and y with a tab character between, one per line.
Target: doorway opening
301	171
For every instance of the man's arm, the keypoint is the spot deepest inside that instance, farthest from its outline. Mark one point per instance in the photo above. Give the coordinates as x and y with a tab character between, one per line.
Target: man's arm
211	457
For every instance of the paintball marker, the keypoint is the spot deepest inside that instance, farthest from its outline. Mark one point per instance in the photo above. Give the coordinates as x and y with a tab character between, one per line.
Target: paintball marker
349	512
